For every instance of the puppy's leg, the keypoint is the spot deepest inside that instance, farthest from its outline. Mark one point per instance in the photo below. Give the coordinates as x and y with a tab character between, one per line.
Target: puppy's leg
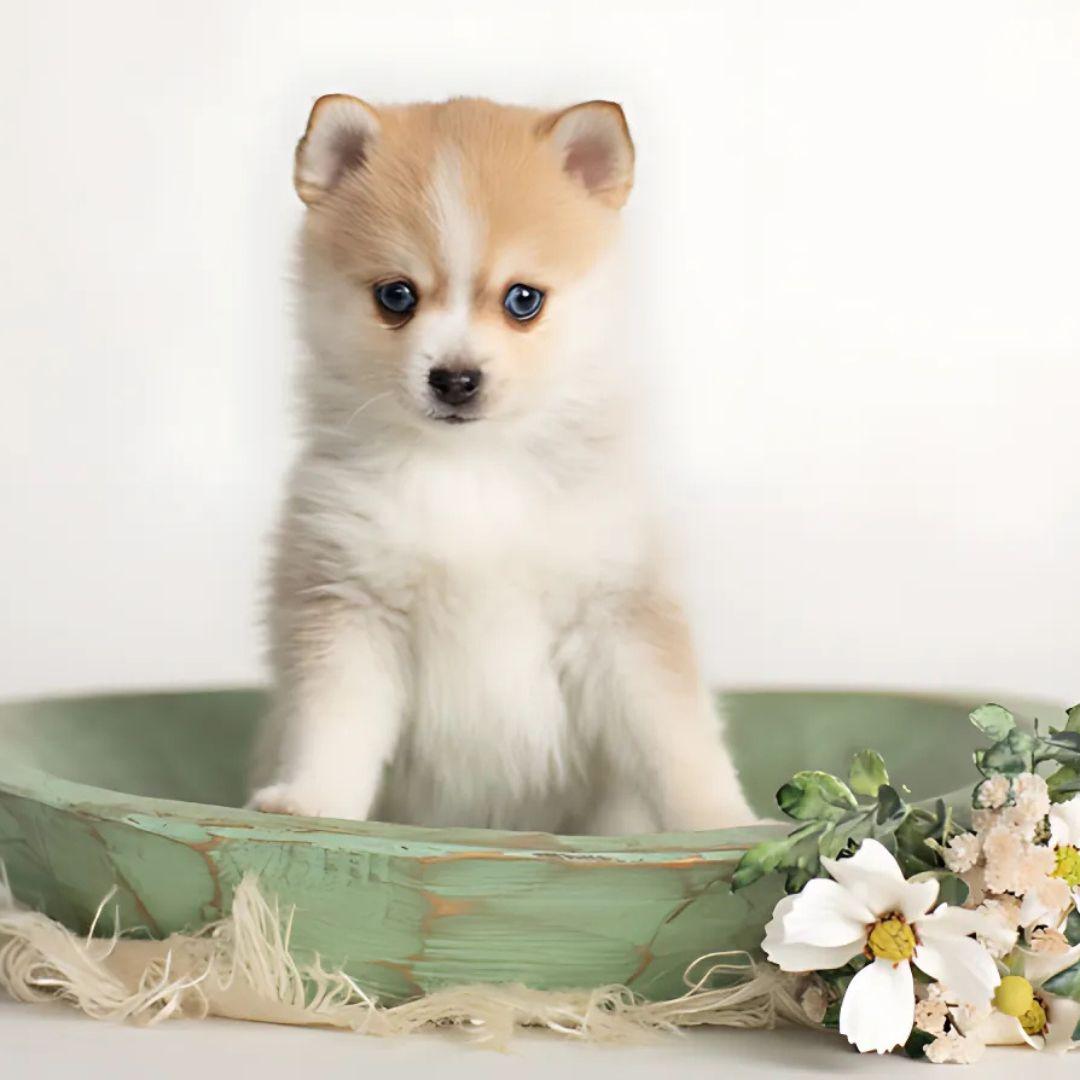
339	705
620	812
654	720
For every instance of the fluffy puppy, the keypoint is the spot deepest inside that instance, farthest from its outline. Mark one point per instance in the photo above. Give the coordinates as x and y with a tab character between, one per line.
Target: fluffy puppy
470	623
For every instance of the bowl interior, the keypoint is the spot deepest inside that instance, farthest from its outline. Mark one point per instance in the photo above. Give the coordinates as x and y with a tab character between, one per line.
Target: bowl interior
194	746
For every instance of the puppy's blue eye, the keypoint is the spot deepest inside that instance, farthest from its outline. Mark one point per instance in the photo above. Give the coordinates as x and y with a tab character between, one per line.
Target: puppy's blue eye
397	297
522	302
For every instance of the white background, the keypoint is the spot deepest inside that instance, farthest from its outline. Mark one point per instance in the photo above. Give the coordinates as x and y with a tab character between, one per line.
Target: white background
856	228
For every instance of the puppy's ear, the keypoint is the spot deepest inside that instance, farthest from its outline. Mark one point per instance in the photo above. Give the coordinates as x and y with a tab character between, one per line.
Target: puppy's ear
596	149
340	133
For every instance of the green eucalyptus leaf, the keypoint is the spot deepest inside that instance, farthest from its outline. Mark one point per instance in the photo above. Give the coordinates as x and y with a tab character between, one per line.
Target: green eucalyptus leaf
831	1019
760	860
816	796
1012	755
912	864
772	855
890	805
919	838
917	1043
868	773
1060	746
1072	927
797	877
993	721
1073	722
1065	983
887	839
1069	740
846	834
1064	783
952	889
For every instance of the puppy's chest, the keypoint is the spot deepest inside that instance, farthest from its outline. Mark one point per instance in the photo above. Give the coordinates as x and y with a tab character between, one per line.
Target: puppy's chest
458	537
490	573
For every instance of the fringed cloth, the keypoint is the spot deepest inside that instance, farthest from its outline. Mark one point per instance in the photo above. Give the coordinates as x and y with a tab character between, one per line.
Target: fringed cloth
241	967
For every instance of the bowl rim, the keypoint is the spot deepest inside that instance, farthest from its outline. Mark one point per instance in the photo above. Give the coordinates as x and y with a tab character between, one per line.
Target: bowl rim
178	819
175	819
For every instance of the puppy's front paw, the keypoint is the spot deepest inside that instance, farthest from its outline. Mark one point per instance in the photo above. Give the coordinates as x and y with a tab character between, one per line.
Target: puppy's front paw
298	800
282	798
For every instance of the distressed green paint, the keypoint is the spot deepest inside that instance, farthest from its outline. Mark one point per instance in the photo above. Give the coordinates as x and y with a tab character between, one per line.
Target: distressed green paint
89	799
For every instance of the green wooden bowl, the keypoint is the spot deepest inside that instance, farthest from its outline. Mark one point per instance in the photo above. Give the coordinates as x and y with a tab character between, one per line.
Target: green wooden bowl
142	792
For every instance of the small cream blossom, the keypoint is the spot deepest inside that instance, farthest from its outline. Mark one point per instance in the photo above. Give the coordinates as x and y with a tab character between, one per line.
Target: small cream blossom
955	1048
931	1014
1005	909
992	793
1013	864
1057	891
1046	903
970	1017
1046	940
962	852
975	880
1031	805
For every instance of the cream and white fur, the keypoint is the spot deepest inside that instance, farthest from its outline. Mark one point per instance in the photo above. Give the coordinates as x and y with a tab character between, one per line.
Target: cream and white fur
471	623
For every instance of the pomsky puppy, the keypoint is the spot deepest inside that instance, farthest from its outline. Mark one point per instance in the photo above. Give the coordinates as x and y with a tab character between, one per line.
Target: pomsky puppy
470	623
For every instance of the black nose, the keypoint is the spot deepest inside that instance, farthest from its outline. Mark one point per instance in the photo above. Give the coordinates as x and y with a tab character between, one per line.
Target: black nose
455	386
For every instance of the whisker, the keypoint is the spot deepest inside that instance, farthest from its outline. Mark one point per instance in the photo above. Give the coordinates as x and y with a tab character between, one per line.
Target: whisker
361	408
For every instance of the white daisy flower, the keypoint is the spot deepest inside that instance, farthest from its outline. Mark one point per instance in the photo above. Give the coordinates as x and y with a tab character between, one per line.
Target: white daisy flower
1025	1012
869	908
1049	902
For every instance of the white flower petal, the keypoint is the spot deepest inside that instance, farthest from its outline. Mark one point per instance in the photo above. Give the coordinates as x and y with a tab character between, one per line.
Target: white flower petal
1065	822
878	1009
825	913
999	1030
1062	1018
962	965
788	956
871	856
874	877
791	955
1038	967
917	898
949	919
1034	911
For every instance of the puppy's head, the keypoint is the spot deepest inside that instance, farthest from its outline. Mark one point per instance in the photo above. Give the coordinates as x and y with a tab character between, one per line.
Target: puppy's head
454	254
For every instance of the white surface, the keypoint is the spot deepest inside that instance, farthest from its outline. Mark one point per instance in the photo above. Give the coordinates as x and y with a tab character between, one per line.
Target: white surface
856	228
48	1040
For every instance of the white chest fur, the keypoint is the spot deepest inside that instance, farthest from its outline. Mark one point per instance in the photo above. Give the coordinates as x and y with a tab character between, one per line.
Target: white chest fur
489	563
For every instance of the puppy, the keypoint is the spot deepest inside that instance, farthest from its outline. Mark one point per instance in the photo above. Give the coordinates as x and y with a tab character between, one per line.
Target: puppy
470	623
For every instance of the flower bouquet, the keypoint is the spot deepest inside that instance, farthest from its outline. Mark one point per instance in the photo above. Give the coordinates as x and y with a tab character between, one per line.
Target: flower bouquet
940	929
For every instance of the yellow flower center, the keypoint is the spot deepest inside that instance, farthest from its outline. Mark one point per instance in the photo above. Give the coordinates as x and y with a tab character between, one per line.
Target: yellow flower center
1034	1020
892	939
1014	996
1068	864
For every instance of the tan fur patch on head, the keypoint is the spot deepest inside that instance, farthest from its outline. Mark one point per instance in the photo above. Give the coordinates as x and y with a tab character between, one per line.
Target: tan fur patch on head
531	219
